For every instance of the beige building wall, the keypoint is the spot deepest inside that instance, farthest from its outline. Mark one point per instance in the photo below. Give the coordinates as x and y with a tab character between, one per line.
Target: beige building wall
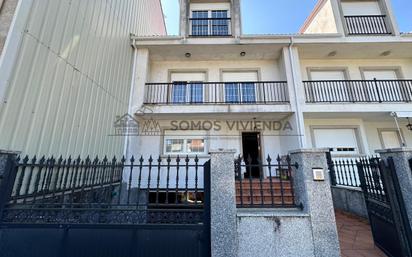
72	74
354	67
7	10
322	20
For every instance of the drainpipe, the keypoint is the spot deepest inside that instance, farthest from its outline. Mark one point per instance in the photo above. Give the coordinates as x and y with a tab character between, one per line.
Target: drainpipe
394	115
132	85
299	114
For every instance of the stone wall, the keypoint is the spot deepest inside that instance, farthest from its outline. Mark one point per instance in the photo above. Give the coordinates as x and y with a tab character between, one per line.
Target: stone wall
349	199
7	9
285	233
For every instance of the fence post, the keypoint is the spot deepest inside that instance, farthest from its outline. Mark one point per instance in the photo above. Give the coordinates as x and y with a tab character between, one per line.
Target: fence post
223	203
7	175
331	167
403	172
313	191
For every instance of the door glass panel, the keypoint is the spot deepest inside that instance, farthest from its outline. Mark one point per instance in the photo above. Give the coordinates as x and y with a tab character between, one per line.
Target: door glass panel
232	93
220	25
248	92
196	92
200	23
179	92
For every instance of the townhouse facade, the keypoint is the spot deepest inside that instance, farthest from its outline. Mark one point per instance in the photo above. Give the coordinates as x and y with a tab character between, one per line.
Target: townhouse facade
342	83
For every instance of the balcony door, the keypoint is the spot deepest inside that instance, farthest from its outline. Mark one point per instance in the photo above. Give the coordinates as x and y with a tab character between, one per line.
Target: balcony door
187	87
240	86
334	89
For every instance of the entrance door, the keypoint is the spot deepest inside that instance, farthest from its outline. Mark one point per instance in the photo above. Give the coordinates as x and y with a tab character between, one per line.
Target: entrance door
251	153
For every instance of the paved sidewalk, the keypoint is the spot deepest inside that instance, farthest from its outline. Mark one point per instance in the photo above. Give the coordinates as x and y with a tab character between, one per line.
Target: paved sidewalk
355	237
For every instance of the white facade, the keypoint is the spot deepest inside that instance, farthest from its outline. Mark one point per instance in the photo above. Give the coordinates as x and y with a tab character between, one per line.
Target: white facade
326	51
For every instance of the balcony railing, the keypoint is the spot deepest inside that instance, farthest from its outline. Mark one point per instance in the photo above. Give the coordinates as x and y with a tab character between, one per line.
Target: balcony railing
217	93
210	27
367	91
367	25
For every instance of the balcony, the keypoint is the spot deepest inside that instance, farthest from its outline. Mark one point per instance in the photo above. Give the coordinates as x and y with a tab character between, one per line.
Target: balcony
204	27
367	25
358	91
182	93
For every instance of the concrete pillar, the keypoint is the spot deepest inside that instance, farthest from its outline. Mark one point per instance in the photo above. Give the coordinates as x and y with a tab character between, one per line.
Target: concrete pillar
402	158
223	204
236	18
316	199
141	78
290	56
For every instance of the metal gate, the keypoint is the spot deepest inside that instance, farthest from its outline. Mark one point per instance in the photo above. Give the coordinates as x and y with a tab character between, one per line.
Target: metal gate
101	208
386	210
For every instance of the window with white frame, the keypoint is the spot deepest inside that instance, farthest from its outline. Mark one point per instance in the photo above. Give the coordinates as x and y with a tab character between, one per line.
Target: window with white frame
240	86
187	87
185	143
210	22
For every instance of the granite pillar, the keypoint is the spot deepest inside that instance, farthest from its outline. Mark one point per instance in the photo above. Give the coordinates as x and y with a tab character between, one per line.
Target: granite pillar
316	199
223	204
7	162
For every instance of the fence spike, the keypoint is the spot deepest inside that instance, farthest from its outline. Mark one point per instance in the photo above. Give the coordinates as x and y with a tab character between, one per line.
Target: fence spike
141	159
150	159
269	160
177	159
187	159
278	159
132	159
196	159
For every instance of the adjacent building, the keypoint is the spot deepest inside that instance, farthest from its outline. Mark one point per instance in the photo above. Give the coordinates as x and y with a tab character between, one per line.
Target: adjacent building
66	71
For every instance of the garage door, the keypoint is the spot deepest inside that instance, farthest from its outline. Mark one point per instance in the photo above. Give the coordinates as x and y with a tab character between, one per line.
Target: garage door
341	141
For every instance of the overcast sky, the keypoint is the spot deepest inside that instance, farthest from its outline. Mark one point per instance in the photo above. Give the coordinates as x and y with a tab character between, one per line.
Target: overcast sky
280	16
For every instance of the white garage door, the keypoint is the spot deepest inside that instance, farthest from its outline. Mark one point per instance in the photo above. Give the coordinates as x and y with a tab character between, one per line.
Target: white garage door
342	141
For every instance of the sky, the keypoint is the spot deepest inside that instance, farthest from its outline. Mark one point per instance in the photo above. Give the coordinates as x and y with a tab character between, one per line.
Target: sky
280	16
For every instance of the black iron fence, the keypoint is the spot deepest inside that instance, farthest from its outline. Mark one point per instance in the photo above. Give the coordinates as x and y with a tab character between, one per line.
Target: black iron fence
103	191
354	91
210	26
264	185
367	25
217	93
345	171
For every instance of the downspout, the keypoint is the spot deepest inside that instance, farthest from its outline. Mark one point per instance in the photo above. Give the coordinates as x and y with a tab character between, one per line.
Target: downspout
298	110
393	114
132	85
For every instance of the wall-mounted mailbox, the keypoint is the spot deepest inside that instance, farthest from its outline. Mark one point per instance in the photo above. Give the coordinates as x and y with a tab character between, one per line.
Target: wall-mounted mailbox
318	174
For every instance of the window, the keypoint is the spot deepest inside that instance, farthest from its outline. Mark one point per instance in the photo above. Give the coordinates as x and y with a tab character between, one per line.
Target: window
248	92
174	145
205	23
179	92
220	24
390	138
200	23
182	89
181	145
196	92
232	93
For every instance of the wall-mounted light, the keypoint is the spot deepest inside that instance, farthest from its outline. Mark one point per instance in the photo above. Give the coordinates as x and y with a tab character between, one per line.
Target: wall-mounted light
188	55
242	54
409	126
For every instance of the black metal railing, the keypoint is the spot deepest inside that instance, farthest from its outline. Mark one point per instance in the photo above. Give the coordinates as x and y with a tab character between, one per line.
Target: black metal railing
264	185
343	172
210	27
367	25
118	191
217	93
358	91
